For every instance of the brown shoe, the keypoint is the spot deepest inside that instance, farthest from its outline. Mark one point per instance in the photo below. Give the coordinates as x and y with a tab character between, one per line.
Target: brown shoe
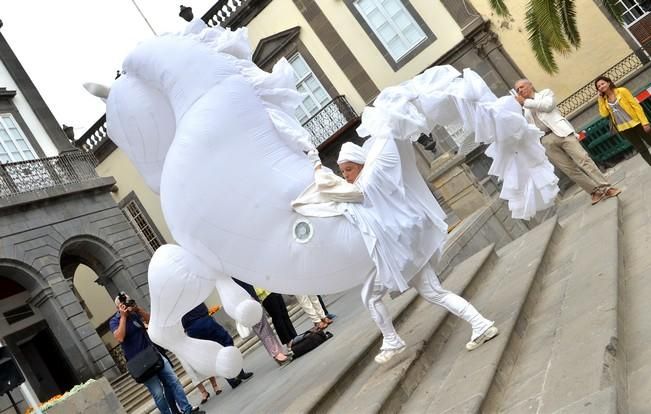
613	192
597	196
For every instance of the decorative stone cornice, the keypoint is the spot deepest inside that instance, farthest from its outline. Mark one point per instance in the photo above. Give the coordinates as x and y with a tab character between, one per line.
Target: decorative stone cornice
40	296
108	273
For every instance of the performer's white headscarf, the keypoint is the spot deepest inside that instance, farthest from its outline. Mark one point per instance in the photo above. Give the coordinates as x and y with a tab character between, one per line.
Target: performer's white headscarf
351	153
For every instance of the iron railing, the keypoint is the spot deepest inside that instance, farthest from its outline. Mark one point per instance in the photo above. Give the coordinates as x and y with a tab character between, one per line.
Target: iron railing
25	176
620	70
118	356
95	135
330	119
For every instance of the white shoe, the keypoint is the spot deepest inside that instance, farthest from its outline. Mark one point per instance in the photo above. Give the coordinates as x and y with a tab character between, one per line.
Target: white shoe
386	355
488	334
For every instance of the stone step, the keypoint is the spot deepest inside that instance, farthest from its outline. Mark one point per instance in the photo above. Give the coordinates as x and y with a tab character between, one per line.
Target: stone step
568	359
370	387
458	380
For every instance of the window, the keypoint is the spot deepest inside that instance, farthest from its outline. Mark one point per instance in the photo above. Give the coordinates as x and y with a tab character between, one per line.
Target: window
631	11
18	314
314	94
392	23
14	146
140	221
637	20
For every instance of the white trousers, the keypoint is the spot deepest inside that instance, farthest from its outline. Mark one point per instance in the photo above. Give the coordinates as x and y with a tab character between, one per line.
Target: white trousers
311	306
429	288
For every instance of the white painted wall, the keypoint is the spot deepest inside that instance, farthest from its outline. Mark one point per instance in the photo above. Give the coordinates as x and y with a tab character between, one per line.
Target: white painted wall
27	113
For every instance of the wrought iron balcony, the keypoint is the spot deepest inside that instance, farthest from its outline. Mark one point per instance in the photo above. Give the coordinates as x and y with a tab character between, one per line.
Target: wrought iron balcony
27	176
331	118
587	93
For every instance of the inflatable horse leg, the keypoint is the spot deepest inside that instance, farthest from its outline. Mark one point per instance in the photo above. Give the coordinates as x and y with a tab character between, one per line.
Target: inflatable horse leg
237	302
179	281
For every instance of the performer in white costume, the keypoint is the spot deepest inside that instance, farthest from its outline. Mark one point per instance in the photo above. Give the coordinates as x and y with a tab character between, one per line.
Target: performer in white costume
388	218
191	108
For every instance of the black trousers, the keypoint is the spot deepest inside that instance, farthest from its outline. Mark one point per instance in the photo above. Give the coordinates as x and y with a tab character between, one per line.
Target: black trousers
323	305
640	140
276	308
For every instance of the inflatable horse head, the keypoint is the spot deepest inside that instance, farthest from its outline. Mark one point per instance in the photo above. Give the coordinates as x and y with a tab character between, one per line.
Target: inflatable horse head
217	139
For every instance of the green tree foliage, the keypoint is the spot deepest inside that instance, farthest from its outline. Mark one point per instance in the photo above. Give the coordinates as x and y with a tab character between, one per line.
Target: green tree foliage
551	25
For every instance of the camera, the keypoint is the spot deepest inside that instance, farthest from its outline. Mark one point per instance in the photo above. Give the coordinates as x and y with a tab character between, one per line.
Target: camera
122	297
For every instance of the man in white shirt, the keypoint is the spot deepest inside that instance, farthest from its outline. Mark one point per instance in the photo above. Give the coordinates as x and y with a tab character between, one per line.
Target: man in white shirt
560	141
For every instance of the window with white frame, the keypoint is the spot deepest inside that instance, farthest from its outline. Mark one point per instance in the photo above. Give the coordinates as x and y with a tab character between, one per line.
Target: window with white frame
392	23
14	146
135	213
631	11
314	94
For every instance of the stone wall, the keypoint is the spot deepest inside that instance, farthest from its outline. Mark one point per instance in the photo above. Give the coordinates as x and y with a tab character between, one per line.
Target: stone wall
97	398
491	224
42	242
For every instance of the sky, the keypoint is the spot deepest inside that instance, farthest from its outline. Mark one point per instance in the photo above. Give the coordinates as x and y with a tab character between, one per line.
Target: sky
62	44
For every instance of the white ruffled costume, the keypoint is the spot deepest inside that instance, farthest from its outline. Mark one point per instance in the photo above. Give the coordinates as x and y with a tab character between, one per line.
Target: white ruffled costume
217	138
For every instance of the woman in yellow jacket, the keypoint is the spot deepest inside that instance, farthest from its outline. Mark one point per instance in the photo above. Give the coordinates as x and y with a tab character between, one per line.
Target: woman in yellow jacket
625	113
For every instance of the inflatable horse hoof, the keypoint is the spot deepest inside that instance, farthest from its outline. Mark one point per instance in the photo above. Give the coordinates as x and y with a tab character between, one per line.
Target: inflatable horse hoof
248	312
228	362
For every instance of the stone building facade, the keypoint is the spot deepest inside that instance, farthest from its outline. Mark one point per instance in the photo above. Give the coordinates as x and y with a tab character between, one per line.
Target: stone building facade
56	214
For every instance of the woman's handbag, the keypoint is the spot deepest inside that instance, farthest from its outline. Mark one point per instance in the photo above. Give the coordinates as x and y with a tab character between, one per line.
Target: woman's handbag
145	364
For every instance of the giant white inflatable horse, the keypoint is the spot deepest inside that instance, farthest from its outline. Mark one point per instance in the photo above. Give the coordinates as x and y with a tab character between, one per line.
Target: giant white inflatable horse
216	137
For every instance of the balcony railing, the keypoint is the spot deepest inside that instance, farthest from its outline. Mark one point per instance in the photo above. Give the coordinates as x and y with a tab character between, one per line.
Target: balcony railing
25	176
330	119
222	11
95	135
620	70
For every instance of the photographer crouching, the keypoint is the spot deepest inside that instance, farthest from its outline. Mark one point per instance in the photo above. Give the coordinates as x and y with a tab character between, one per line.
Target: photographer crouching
144	361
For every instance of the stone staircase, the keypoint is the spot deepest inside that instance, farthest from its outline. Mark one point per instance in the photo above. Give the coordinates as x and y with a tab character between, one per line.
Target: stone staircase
570	297
553	294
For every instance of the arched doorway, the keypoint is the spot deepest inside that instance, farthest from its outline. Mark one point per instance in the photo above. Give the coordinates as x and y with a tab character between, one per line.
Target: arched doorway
27	335
96	274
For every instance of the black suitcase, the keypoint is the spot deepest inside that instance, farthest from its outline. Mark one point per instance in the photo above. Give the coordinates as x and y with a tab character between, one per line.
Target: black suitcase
307	341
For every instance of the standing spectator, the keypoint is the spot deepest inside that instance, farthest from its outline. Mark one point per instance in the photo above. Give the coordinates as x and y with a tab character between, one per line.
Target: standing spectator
198	379
625	114
560	141
313	309
198	324
275	306
328	315
129	328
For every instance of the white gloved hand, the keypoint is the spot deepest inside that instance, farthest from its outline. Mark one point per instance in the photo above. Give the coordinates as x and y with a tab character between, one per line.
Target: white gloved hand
313	156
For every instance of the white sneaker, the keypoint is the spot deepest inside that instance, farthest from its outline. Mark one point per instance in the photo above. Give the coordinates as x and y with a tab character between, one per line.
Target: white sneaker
386	355
488	334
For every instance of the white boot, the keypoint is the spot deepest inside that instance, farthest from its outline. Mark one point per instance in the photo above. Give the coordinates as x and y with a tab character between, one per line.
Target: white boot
486	336
386	355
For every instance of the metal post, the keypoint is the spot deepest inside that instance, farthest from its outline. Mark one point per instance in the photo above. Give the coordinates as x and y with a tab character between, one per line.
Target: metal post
13	403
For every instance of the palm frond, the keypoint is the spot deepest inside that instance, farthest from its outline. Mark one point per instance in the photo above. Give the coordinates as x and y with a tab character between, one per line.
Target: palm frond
614	9
567	13
540	44
543	18
499	8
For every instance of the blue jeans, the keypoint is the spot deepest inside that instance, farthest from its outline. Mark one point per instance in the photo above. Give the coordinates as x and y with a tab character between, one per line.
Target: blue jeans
166	382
